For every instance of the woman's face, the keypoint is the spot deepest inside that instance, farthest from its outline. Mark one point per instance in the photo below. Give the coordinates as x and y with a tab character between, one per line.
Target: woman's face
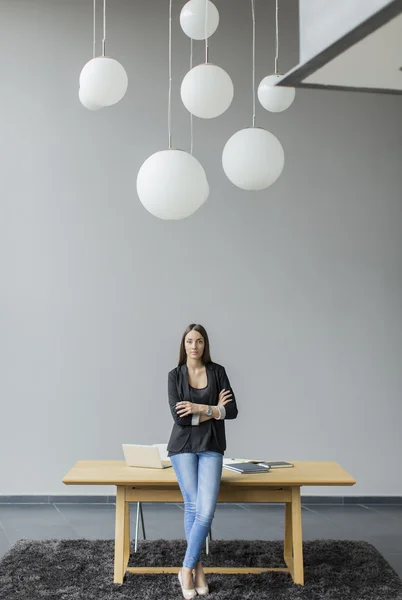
194	344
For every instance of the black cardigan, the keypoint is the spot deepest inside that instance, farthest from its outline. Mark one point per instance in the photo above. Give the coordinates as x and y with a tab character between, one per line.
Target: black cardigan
179	391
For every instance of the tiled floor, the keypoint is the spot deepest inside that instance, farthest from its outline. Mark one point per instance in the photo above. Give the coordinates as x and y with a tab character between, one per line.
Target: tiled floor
380	525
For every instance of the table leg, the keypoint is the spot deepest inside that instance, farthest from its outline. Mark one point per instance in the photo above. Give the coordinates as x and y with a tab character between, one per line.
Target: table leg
288	544
126	534
120	531
298	571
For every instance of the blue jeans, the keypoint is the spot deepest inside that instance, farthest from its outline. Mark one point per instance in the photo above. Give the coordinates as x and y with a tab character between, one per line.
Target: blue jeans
199	477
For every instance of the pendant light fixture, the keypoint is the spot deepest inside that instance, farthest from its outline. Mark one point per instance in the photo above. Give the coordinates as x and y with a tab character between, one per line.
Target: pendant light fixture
83	95
103	80
253	158
275	98
207	90
193	16
172	184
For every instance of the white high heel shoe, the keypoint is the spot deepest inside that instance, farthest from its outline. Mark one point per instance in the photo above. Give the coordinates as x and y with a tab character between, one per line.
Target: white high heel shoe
201	591
187	594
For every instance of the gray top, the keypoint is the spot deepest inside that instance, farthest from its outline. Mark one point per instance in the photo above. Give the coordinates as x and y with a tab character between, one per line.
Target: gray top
200	394
200	397
201	434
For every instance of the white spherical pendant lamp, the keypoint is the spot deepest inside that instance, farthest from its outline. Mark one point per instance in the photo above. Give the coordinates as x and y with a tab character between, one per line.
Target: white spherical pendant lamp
192	19
104	81
275	98
207	91
253	159
172	184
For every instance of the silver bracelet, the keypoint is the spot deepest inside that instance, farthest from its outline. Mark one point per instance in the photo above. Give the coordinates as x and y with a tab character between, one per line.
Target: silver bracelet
222	412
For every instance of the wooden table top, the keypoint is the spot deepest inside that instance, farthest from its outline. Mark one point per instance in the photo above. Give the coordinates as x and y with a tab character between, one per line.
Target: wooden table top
116	472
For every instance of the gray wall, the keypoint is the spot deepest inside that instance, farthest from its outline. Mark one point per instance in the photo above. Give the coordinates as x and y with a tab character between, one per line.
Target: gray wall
300	286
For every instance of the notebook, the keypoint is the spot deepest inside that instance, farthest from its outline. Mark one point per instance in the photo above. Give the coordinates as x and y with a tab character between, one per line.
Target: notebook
276	464
246	467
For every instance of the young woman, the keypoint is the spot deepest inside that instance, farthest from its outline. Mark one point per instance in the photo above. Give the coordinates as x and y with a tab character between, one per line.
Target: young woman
200	399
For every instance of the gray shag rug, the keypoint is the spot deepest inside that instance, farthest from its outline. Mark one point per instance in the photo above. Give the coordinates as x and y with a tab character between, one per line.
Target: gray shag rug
83	570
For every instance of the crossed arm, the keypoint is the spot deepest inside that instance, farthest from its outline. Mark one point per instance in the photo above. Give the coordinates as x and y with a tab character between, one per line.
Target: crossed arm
191	414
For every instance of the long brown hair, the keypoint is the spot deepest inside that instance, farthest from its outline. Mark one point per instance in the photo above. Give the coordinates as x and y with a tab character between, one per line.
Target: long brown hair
206	357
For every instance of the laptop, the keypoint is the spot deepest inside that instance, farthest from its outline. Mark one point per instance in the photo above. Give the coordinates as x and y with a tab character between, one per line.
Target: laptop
142	455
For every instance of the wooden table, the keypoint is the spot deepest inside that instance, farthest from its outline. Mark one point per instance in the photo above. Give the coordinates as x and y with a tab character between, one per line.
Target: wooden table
160	485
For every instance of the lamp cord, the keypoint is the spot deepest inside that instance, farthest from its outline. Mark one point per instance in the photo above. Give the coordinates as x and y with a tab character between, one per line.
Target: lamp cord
206	32
104	28
253	17
170	78
276	36
94	31
191	114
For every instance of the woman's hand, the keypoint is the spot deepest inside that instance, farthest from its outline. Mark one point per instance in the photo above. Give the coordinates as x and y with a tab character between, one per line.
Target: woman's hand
187	408
224	397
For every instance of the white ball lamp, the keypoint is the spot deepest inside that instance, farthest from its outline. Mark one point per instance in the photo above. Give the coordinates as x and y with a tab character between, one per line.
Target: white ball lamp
193	21
272	97
104	81
275	98
172	184
253	159
207	91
